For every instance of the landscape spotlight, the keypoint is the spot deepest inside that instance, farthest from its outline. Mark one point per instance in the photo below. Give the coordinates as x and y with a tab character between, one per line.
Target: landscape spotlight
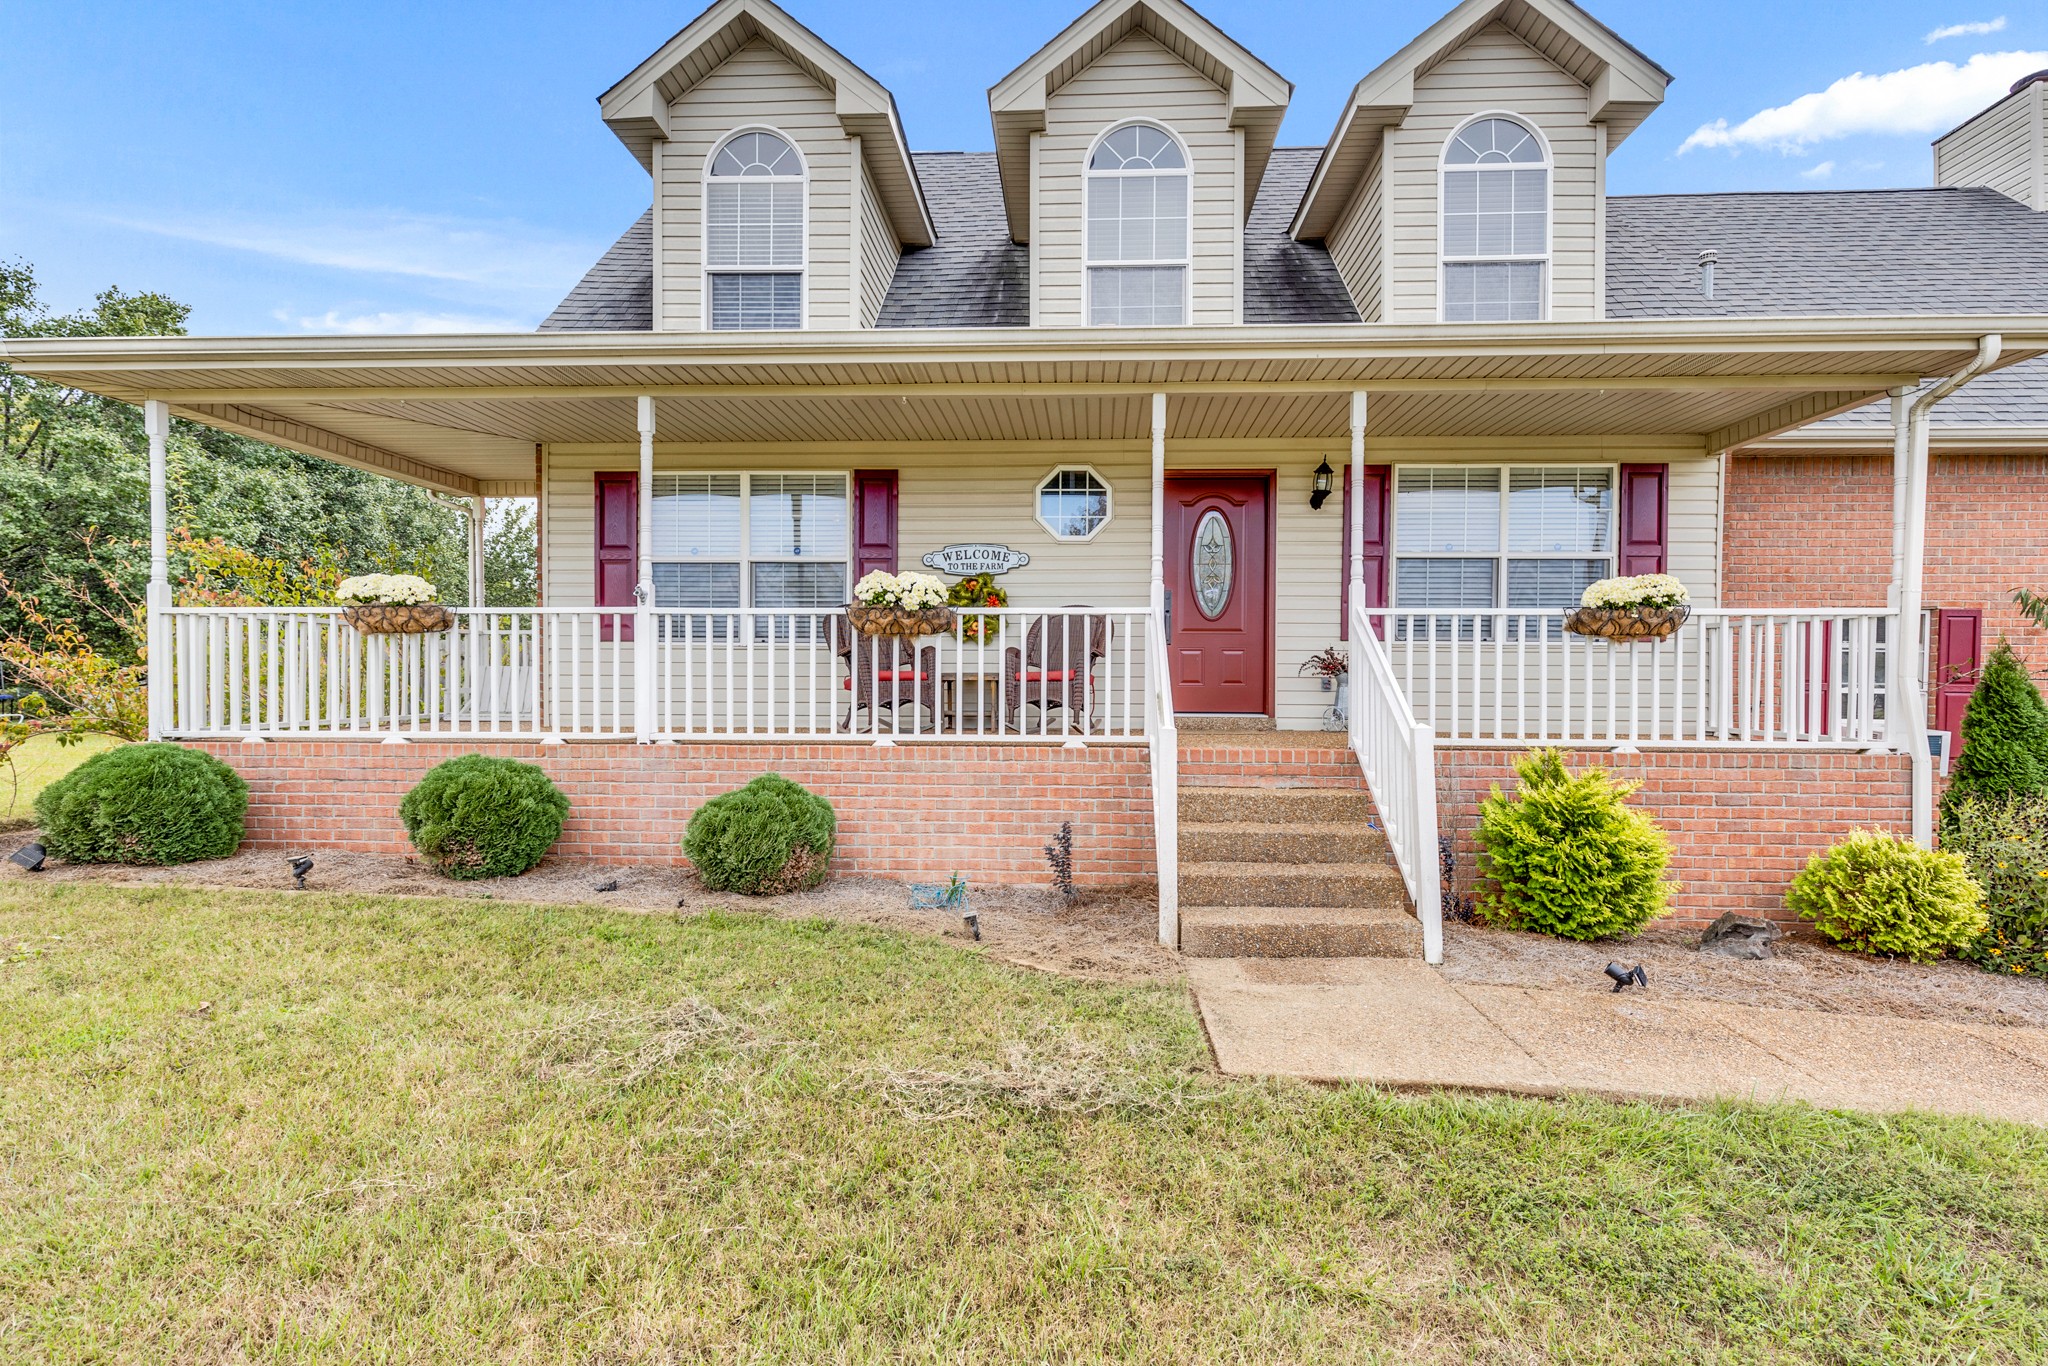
973	923
1628	977
301	866
30	856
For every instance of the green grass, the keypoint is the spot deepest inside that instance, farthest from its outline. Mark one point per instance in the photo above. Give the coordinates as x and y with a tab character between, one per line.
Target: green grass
332	1129
38	763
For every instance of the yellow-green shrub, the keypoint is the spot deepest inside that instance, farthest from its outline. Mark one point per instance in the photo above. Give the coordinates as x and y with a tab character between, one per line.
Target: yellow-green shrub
1876	893
1567	856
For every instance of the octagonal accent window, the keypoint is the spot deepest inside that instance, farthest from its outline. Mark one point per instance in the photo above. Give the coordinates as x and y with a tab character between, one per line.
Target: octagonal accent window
1073	503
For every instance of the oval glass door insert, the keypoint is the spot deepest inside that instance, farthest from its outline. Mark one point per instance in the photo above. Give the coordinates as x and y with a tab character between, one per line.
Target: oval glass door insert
1215	564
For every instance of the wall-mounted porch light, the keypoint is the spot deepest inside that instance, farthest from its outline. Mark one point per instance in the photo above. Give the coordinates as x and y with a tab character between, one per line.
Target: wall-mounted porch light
1325	478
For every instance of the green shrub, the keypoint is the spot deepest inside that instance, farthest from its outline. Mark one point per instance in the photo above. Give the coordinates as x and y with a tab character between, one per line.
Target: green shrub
1976	821
1567	856
2014	876
2005	737
1876	893
769	837
476	816
149	803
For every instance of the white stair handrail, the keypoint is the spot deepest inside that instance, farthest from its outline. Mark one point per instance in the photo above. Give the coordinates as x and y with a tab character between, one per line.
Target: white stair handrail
1397	754
1165	746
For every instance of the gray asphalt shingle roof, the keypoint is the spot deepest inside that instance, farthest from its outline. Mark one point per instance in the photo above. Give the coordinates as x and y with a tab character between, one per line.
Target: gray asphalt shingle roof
1836	252
1823	252
616	294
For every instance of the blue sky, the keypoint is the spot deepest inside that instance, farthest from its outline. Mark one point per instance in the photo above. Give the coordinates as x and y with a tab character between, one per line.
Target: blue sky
289	167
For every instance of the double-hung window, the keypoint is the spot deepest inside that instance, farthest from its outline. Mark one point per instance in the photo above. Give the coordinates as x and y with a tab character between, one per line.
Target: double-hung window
1137	238
754	235
761	541
1477	537
1496	224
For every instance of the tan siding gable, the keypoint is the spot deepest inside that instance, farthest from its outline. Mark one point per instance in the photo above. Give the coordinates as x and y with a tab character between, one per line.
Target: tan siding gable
1137	79
756	87
2002	149
1494	72
1356	244
878	251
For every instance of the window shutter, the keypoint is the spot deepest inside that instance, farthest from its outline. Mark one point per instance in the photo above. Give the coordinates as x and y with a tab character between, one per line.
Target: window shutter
1958	650
618	548
1644	493
874	522
1379	507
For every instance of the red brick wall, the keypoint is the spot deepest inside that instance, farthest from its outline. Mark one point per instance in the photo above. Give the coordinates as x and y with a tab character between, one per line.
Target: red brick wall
1742	822
910	811
1809	530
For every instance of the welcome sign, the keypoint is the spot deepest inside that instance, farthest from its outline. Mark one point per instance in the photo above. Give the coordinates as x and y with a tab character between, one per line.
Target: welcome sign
981	558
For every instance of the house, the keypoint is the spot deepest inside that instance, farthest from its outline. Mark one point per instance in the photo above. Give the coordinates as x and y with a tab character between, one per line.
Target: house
1208	405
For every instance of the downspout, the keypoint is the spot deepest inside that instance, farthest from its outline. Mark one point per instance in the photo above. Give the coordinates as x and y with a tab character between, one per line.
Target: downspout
1911	520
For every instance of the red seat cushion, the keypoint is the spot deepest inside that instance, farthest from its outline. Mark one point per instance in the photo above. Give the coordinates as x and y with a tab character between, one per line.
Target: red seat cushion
890	676
1048	675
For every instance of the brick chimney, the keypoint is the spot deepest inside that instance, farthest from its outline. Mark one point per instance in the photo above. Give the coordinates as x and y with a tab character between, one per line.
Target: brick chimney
2004	148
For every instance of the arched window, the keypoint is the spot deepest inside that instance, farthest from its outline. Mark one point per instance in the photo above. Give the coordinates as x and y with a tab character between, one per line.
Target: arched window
1496	224
1137	229
754	235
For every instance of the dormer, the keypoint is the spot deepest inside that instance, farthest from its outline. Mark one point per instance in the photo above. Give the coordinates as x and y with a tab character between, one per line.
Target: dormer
1466	180
1130	148
784	191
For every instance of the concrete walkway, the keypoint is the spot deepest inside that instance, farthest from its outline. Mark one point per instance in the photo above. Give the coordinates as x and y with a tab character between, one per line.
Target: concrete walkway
1399	1023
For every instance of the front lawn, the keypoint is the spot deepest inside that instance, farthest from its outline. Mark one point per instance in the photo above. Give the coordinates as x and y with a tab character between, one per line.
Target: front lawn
325	1128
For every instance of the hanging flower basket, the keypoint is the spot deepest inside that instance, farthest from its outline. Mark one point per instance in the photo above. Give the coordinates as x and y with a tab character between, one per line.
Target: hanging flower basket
398	618
1626	624
900	621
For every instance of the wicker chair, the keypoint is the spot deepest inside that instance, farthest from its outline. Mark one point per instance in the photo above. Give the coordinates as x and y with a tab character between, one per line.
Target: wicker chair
880	672
1054	668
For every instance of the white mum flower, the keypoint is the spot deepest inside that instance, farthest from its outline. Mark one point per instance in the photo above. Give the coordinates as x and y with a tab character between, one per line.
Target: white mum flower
1640	590
403	589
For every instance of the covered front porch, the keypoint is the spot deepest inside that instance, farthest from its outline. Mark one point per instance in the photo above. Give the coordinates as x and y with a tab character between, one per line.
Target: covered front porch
1111	634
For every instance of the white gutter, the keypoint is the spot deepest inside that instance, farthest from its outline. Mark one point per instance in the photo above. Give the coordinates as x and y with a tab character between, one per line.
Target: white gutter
1909	488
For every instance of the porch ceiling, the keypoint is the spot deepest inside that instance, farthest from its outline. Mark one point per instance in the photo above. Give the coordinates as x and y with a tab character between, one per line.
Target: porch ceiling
464	413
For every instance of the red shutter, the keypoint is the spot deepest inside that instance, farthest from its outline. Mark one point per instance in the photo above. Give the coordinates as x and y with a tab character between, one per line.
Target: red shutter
1643	518
874	522
1379	510
618	548
1958	649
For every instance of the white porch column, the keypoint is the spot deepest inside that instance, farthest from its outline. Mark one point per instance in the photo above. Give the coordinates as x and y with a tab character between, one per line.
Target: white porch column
1158	597
643	591
478	513
1357	575
156	421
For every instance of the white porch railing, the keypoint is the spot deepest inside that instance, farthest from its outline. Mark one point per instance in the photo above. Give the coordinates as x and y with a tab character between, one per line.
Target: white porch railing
1398	755
547	673
1517	677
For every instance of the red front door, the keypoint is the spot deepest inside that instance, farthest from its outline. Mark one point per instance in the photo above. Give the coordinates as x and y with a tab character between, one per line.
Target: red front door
1218	548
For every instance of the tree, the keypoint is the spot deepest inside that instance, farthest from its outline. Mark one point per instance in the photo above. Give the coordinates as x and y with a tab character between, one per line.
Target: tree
2005	737
511	554
75	485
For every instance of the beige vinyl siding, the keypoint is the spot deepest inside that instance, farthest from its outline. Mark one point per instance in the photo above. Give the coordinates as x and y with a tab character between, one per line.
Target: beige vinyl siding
878	251
1494	72
950	492
1137	79
756	87
2002	149
1356	243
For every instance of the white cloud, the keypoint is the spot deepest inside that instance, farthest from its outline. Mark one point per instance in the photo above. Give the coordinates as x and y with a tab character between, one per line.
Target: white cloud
1928	98
1820	172
1977	28
489	254
401	323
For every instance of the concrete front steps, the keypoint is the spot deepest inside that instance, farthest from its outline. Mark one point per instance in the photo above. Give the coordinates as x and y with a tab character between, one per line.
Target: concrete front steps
1289	872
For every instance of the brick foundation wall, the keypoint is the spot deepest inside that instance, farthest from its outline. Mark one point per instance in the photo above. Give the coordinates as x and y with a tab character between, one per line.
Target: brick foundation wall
910	811
1816	531
1742	822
